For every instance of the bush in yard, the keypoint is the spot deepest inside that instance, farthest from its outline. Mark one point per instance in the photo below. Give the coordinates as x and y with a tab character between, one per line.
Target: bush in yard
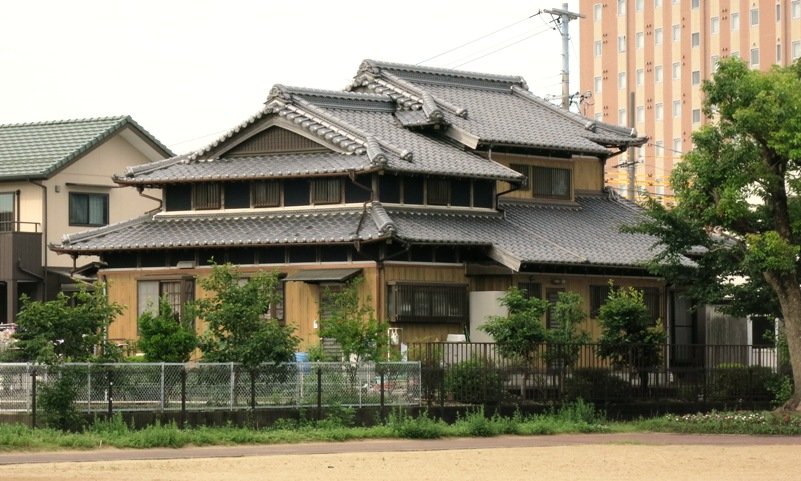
475	382
629	337
164	337
733	382
56	398
595	384
520	332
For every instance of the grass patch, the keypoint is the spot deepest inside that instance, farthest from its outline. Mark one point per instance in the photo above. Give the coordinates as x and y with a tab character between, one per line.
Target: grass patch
578	417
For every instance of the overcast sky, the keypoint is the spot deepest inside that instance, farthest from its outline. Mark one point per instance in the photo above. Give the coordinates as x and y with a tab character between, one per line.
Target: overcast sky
189	70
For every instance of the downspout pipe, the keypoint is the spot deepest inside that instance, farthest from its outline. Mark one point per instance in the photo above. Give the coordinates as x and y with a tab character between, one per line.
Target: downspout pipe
44	236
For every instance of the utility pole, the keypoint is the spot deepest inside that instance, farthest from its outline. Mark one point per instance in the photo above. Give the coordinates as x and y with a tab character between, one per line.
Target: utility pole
562	17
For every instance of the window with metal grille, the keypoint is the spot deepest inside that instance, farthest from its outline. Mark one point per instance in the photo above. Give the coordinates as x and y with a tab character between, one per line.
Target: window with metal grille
651	296
530	289
550	182
328	294
438	191
327	191
8	211
88	209
206	196
266	193
428	303
177	292
598	296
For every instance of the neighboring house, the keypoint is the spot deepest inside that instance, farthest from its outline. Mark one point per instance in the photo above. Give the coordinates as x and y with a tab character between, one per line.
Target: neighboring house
438	186
55	179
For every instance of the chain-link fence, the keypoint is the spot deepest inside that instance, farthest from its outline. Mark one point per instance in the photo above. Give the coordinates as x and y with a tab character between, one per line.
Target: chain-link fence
215	386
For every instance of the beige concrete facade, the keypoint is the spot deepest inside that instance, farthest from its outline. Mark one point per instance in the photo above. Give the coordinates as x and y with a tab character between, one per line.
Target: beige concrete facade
659	52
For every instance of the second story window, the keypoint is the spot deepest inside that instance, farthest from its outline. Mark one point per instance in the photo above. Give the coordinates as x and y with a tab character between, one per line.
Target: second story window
266	193
550	182
206	196
327	191
7	214
88	209
438	191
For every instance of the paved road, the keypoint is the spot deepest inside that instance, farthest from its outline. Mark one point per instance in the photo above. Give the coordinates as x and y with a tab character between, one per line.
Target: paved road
393	445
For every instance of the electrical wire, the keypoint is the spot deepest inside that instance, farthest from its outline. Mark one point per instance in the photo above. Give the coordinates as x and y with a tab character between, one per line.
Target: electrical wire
502	48
477	39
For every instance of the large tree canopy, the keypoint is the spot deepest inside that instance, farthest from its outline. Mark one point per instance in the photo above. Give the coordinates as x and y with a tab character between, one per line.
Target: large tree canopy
738	209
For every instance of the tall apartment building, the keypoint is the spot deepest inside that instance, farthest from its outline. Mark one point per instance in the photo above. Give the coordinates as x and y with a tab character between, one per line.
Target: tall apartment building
644	62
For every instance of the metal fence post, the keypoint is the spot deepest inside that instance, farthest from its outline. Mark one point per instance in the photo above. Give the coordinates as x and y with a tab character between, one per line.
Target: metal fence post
319	393
33	398
381	380
110	377
183	396
89	388
162	403
253	390
232	381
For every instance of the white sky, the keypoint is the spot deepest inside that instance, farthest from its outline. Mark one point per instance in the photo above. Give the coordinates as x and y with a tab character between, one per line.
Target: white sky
189	70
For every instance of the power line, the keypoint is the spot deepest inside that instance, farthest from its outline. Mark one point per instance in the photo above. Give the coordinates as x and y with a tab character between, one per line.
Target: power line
499	49
476	39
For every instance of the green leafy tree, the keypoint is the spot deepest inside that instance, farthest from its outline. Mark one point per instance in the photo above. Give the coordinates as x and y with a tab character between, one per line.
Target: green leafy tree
354	326
740	183
629	337
237	328
67	328
566	338
165	338
520	332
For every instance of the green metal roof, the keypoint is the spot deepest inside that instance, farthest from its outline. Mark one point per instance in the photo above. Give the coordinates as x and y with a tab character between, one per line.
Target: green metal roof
36	150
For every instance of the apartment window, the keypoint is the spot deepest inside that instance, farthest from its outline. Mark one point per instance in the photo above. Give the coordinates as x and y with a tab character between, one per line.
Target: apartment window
754	16
434	303
639	4
598	46
327	191
696	3
88	209
796	49
696	39
206	196
676	70
778	12
621	117
621	80
676	33
639	40
640	76
755	57
658	36
735	21
597	84
177	292
657	3
715	25
658	73
676	147
659	111
640	114
713	63
438	191
596	12
8	201
621	7
659	148
550	182
778	53
696	77
266	193
696	116
676	109
795	6
621	43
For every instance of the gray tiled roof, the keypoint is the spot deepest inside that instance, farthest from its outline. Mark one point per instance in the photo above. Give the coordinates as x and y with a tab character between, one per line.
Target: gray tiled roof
496	109
588	233
226	230
36	150
242	168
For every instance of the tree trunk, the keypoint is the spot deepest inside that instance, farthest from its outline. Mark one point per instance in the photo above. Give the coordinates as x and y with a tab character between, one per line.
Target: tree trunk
788	291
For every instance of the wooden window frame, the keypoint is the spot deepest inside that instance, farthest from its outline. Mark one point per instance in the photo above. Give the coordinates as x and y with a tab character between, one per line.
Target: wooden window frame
568	195
318	183
427	303
210	203
434	194
265	184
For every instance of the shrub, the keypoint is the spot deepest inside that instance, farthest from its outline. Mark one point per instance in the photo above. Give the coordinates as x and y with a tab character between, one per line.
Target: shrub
165	337
595	384
581	412
475	382
57	400
732	382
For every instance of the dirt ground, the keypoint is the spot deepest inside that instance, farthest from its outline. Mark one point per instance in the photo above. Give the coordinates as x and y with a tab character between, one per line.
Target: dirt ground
618	461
